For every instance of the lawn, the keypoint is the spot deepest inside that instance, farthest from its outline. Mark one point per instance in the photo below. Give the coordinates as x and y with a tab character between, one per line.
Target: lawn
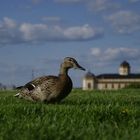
83	115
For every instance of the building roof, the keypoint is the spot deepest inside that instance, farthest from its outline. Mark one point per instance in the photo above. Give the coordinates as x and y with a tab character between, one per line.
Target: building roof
124	64
89	75
117	76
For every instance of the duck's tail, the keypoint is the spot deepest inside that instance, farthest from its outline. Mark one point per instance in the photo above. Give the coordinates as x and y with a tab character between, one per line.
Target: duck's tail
17	95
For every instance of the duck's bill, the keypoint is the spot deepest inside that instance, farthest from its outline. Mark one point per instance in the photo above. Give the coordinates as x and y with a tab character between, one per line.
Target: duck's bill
80	67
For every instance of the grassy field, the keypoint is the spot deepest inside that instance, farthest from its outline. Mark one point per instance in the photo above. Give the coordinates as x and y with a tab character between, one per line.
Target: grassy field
83	115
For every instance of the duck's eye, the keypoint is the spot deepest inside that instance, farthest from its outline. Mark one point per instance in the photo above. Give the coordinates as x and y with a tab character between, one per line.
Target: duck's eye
70	60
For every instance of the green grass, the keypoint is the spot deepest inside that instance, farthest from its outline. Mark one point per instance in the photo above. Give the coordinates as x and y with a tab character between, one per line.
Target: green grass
83	115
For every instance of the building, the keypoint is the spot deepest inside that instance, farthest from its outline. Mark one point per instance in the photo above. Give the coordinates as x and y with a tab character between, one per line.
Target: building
111	81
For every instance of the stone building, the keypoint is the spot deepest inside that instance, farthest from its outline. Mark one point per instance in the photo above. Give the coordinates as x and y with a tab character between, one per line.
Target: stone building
111	81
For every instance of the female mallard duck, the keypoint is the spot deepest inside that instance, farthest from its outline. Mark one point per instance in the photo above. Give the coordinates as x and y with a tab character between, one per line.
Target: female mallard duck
50	88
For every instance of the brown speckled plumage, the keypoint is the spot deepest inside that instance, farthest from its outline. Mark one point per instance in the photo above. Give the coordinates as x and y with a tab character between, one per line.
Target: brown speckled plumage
50	88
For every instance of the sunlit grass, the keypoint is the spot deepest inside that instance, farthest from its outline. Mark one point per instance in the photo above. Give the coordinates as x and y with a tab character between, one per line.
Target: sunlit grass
83	115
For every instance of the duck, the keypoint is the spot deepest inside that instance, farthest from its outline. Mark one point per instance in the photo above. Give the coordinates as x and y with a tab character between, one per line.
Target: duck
50	89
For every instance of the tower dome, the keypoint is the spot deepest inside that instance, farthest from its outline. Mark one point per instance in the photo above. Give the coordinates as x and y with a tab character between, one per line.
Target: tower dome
124	64
124	68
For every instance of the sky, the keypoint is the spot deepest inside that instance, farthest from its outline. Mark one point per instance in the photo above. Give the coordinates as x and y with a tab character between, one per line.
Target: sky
36	35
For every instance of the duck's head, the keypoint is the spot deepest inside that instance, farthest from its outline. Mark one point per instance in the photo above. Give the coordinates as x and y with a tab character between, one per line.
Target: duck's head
70	62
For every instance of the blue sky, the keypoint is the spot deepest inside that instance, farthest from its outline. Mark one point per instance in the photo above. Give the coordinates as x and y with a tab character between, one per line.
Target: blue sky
38	34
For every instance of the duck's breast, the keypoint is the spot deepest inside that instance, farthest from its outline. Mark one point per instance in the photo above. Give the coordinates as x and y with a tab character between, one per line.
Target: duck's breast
65	86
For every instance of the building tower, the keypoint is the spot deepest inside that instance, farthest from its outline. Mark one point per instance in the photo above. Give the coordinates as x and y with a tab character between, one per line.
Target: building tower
89	81
124	68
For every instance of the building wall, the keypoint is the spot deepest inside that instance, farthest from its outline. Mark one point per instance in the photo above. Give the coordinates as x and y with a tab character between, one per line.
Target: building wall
88	84
124	70
110	86
107	84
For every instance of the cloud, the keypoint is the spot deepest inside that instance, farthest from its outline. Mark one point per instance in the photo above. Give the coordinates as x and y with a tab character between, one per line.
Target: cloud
33	32
9	23
36	1
9	33
84	32
102	5
94	5
69	1
125	22
52	19
134	1
115	54
14	33
106	60
41	32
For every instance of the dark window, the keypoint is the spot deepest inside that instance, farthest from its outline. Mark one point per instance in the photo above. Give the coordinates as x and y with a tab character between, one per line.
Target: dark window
89	85
112	86
119	86
105	85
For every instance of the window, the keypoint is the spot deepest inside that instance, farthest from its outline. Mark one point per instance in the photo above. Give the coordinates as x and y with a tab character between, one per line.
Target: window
105	86
112	86
89	85
119	86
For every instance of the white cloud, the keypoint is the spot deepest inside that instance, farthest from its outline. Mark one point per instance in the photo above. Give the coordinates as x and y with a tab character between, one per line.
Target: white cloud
115	54
96	52
102	5
94	5
106	60
9	23
13	33
125	22
33	31
41	32
9	33
84	32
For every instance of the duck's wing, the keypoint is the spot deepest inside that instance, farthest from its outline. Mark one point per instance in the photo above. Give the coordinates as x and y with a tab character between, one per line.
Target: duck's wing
48	81
34	90
38	81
